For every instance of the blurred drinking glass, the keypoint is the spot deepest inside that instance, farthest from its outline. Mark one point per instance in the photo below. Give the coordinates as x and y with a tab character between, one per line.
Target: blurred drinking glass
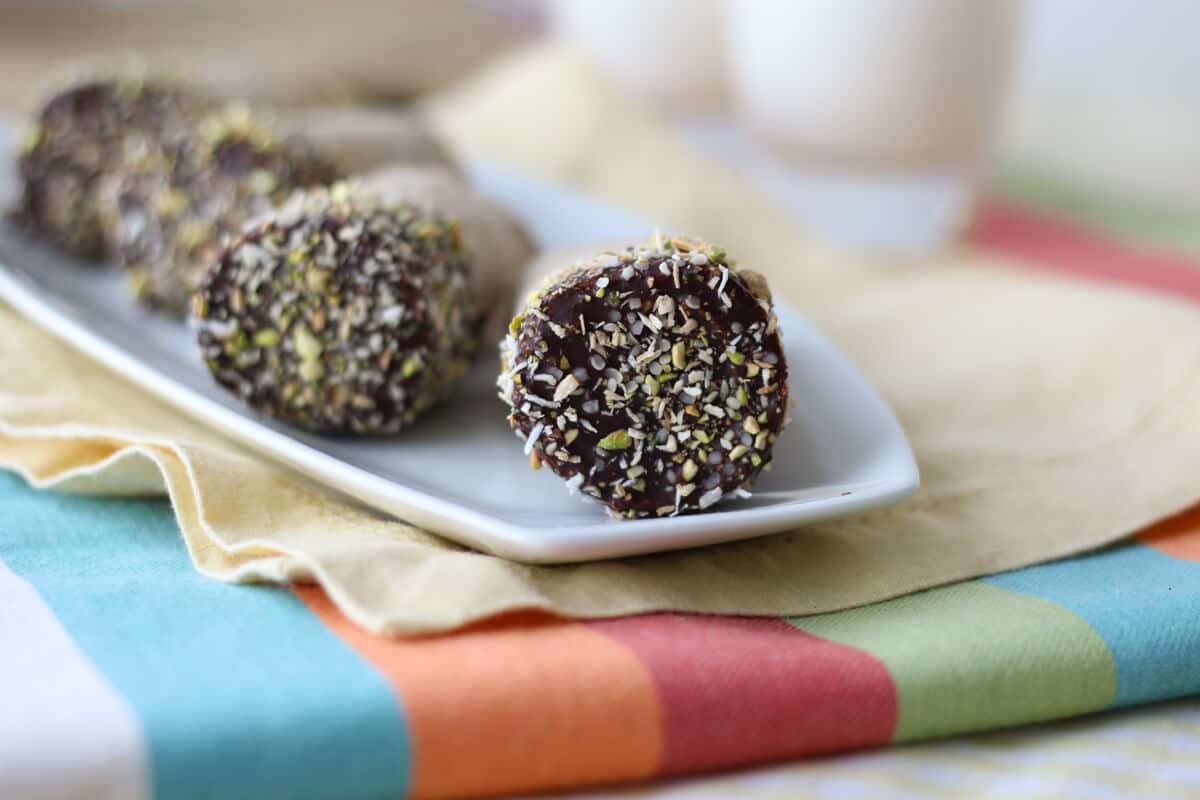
882	104
666	51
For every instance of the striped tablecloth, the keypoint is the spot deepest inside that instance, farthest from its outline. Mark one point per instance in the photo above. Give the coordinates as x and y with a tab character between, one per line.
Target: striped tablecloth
127	675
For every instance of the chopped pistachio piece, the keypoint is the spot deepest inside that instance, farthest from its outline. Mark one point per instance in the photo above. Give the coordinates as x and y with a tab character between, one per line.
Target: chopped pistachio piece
311	371
266	338
679	355
689	470
308	347
617	440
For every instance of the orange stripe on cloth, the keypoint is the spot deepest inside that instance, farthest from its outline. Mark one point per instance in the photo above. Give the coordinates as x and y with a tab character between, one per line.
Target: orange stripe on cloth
514	704
1177	536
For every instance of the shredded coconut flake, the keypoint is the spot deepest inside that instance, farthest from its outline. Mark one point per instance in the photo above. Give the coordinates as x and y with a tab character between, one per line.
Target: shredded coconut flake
533	437
537	401
567	385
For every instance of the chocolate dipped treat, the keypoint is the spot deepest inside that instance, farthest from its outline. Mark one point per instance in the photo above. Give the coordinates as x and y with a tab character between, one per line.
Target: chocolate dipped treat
652	380
168	214
84	133
339	313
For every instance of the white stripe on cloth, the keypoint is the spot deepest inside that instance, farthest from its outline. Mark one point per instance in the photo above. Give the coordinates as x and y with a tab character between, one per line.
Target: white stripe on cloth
65	733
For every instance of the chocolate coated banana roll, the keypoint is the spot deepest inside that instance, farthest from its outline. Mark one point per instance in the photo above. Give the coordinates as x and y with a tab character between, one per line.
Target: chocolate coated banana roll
340	312
652	380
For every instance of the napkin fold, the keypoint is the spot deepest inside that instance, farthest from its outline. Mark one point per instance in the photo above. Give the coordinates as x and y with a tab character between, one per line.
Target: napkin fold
1049	416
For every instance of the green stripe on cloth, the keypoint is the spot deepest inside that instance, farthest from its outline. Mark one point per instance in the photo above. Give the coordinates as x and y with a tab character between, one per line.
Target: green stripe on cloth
1177	230
974	656
240	690
1145	604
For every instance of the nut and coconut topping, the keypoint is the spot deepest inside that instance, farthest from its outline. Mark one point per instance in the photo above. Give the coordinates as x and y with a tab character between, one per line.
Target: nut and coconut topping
339	313
654	378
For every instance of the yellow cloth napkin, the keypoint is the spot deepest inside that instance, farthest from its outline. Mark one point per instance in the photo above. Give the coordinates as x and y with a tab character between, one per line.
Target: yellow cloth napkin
1048	417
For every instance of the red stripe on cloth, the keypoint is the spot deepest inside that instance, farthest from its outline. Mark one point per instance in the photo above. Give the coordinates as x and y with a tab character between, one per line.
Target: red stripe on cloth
738	690
513	704
1058	246
1177	536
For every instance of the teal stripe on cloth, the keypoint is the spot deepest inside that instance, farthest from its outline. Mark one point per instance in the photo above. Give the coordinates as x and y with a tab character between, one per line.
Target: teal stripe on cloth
1143	603
241	691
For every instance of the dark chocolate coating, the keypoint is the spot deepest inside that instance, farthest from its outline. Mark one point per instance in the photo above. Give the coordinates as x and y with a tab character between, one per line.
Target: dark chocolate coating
652	380
173	215
85	133
339	314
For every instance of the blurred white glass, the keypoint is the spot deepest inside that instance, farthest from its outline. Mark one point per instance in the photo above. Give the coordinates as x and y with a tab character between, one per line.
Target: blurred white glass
670	52
877	101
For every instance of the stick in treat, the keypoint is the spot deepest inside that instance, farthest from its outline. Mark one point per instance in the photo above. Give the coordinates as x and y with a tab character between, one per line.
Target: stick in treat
652	379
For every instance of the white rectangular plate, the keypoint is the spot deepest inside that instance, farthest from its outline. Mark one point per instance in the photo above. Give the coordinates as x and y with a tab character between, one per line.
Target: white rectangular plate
460	471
